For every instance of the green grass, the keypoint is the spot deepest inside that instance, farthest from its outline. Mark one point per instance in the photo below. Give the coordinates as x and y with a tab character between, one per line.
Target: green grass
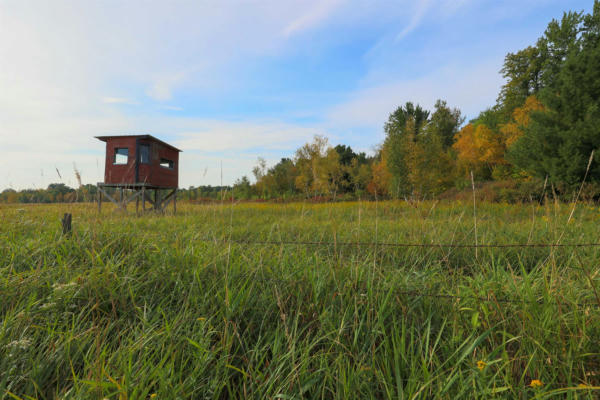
130	307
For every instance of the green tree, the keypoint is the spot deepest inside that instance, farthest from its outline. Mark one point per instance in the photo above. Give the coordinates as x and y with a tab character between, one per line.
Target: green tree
355	172
242	189
444	123
523	72
418	148
9	196
260	173
558	141
530	70
402	129
284	175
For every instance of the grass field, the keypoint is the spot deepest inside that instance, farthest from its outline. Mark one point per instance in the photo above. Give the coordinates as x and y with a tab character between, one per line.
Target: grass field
175	307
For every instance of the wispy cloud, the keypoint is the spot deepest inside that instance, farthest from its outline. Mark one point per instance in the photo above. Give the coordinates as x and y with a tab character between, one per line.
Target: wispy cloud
316	13
469	88
162	88
172	108
449	7
118	100
236	76
241	136
420	9
68	140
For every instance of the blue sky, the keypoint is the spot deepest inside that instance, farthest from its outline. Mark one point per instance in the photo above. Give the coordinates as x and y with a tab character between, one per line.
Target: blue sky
232	81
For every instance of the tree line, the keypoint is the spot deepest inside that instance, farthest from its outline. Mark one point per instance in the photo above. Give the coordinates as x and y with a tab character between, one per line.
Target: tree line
543	132
61	193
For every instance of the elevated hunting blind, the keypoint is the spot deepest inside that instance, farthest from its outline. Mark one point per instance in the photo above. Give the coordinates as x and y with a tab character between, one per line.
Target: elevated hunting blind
140	167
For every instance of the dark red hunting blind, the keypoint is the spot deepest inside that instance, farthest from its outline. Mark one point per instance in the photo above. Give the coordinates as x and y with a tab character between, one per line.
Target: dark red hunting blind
139	166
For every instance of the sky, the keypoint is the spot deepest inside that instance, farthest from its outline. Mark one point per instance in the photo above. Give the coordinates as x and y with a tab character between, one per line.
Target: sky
230	81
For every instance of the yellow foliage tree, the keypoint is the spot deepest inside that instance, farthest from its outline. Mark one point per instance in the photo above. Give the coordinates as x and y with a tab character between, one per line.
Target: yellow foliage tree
513	130
478	147
318	164
380	177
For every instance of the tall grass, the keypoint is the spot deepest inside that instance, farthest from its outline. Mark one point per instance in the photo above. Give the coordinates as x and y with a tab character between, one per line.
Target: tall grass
167	306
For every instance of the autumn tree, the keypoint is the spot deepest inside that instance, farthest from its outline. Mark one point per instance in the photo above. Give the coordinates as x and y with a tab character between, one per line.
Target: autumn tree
318	167
479	149
380	176
513	129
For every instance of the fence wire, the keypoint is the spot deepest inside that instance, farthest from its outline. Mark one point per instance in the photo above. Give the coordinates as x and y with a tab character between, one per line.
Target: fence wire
413	292
390	244
419	293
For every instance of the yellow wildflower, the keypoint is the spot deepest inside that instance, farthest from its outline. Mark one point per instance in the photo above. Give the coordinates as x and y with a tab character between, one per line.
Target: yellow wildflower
153	395
536	383
481	365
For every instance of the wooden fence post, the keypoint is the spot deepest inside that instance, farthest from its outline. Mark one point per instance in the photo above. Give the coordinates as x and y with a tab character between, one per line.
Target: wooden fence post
66	224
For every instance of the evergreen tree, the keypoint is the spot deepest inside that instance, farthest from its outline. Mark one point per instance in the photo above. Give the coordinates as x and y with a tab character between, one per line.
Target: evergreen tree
558	141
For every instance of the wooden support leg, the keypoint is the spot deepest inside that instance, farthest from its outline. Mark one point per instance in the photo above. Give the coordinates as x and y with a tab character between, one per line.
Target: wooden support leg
148	197
143	199
137	206
99	193
175	202
123	201
108	196
164	202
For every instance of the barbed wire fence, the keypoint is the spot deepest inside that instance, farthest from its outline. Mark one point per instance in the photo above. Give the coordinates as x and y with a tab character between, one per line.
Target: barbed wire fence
421	293
226	239
391	244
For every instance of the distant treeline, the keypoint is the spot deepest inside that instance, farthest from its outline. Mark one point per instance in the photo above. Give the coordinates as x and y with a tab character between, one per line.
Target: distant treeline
536	141
54	193
59	193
